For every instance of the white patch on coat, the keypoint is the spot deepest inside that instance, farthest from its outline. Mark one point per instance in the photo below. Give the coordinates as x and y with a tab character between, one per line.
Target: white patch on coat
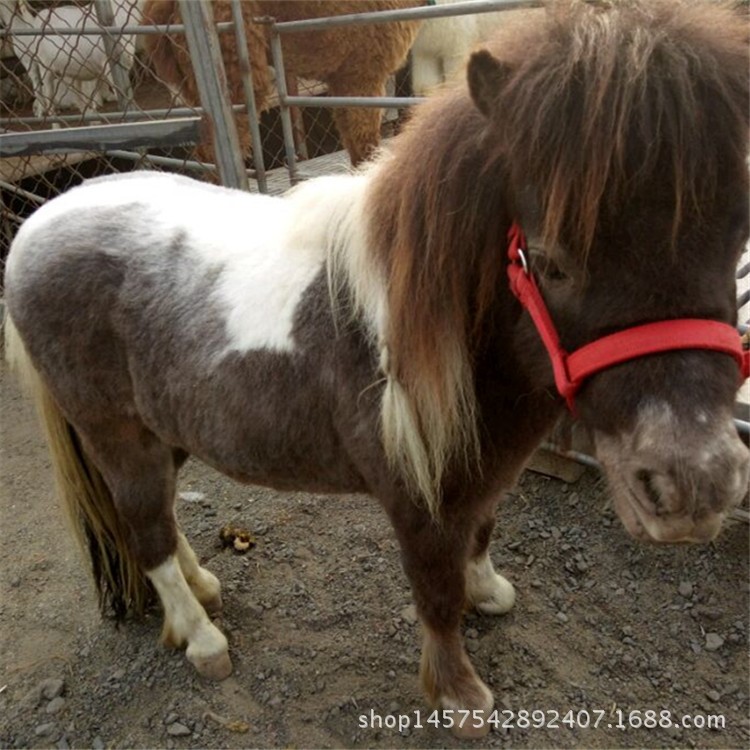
204	584
350	262
488	591
268	249
655	423
658	430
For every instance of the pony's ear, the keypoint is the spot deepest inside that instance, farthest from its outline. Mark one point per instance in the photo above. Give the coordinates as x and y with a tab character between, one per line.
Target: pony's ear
485	74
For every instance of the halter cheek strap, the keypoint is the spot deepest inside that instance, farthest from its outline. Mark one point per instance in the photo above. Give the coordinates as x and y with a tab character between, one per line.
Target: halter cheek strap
572	370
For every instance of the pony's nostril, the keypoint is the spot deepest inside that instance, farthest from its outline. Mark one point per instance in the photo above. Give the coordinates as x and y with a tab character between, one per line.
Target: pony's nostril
647	480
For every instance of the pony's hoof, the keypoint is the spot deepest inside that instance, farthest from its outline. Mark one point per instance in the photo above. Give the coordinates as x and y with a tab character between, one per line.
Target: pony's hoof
217	667
214	605
473	728
499	600
480	706
209	654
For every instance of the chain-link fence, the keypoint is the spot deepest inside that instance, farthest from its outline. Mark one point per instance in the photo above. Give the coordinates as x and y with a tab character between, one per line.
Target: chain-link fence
68	64
60	71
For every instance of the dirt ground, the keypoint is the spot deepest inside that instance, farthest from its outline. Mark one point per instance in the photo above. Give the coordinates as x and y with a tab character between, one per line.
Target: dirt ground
322	633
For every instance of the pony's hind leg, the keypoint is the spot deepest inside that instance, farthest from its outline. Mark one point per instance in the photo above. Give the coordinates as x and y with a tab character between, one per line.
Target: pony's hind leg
203	584
140	473
186	623
435	557
487	590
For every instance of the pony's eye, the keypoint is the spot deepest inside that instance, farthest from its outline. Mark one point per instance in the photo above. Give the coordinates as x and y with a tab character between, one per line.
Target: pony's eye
553	272
548	270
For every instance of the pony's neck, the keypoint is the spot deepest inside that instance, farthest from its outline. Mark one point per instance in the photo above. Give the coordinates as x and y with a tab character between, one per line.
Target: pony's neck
437	215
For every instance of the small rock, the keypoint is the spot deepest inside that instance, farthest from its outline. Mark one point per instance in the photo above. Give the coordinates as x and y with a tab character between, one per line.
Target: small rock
97	743
55	705
44	730
176	729
561	617
674	732
713	695
171	718
52	688
409	614
33	698
62	743
191	497
713	641
711	613
685	589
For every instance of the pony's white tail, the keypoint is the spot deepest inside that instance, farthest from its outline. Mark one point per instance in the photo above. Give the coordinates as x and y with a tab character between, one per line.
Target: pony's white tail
87	501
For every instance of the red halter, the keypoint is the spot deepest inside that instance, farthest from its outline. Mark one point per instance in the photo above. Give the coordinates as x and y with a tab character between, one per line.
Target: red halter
571	370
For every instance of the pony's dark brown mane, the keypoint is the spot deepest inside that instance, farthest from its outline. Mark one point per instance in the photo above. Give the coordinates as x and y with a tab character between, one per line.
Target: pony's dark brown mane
596	103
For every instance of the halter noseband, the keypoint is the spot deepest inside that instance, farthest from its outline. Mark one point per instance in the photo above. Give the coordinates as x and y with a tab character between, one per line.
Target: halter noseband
572	370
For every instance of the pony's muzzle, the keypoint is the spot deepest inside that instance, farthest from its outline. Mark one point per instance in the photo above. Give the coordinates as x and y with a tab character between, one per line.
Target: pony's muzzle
667	491
685	507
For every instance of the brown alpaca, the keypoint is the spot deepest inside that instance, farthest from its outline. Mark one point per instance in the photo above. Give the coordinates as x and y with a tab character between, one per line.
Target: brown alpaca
352	61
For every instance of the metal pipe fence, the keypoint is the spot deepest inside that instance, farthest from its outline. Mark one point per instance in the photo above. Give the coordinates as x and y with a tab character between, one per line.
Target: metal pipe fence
287	102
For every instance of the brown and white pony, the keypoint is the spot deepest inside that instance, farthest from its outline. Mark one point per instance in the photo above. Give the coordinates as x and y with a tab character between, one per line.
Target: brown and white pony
359	334
351	61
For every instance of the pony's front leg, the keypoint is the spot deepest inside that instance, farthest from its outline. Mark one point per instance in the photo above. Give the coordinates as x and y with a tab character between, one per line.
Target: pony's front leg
487	590
435	558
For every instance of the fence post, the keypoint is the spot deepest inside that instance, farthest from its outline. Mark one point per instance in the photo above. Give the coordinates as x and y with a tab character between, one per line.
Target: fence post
287	127
114	48
247	84
208	66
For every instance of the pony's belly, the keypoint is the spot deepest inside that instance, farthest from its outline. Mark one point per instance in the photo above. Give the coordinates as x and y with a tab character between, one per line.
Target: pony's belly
262	417
284	465
325	482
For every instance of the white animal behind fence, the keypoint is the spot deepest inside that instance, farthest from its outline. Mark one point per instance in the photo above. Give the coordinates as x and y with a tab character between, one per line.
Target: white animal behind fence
67	70
443	45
